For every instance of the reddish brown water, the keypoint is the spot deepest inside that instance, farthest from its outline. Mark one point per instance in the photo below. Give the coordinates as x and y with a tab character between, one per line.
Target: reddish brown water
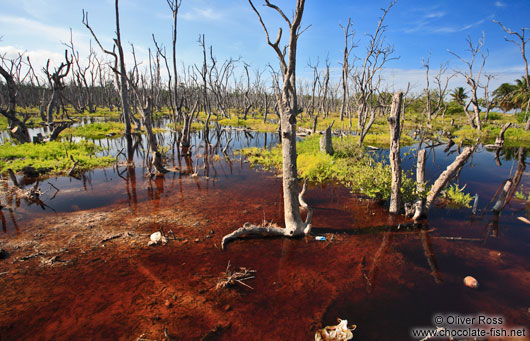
383	281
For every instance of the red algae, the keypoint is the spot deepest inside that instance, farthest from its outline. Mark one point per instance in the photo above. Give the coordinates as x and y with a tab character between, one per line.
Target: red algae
92	275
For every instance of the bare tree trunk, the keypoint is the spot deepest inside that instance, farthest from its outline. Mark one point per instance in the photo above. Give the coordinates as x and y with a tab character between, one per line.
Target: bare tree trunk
17	128
395	159
443	179
499	142
499	205
294	226
420	181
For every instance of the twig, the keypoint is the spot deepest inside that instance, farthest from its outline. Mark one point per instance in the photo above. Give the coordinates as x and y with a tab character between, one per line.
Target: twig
230	278
111	238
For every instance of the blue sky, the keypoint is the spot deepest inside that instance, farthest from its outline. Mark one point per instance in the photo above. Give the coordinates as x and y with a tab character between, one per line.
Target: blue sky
415	28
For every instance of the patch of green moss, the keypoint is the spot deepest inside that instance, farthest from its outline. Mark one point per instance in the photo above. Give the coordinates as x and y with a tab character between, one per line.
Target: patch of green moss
97	130
252	123
99	112
53	156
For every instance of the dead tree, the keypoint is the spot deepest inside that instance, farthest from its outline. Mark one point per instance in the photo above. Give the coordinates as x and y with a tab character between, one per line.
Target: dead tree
174	6
83	79
522	47
421	210
145	106
119	69
246	93
171	103
55	81
395	159
441	91
17	127
203	72
473	78
324	105
218	79
346	69
287	103
367	78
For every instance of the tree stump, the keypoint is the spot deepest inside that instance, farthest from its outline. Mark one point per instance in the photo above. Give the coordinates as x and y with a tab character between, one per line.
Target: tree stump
326	145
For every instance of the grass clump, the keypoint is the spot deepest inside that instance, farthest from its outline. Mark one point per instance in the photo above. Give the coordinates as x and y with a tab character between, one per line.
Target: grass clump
97	130
52	157
350	165
454	197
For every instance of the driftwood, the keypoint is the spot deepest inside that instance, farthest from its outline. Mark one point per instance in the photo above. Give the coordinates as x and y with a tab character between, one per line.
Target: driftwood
272	230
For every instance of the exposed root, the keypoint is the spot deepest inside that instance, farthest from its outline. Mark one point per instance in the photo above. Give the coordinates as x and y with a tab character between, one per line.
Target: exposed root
270	229
230	278
254	230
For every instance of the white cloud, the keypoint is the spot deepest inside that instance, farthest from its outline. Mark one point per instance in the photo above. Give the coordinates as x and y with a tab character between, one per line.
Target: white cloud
500	4
436	14
202	14
454	29
22	28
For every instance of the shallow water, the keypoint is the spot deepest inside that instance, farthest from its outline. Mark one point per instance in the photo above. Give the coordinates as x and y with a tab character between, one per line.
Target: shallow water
383	281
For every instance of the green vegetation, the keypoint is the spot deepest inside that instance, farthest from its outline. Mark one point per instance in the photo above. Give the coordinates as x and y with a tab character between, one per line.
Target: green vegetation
514	137
3	123
252	123
521	195
454	197
99	112
97	130
350	165
52	157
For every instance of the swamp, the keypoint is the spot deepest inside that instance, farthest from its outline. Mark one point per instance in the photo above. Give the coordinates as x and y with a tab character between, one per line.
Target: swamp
141	199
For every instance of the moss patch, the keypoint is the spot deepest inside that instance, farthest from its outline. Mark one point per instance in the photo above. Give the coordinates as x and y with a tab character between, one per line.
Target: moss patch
51	156
97	130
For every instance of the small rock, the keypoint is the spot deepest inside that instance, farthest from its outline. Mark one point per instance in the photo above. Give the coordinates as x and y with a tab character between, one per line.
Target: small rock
471	282
227	307
212	232
156	239
208	236
3	254
197	240
168	304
